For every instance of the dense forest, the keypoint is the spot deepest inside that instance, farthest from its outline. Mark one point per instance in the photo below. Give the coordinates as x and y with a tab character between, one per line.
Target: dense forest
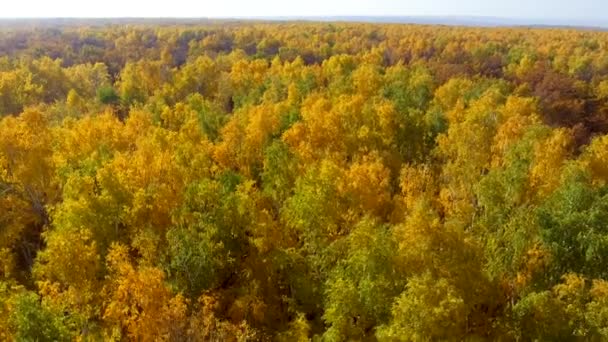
251	181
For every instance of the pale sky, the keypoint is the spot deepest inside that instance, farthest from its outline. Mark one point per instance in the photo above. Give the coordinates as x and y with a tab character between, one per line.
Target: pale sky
562	9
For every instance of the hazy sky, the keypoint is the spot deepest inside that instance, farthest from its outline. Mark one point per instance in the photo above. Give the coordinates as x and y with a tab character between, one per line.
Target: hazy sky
562	9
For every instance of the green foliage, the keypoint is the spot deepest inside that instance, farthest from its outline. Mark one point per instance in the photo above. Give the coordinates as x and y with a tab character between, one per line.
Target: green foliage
107	95
573	227
279	173
428	309
195	256
32	321
361	288
210	118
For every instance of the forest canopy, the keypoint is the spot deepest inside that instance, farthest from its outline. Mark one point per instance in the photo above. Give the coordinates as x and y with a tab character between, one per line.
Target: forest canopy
251	181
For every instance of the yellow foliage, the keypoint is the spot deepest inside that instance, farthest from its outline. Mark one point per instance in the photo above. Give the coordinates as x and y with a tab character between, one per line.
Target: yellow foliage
550	156
595	159
139	303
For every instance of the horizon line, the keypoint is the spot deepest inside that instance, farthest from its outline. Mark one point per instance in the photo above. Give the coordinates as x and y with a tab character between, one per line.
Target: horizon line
447	20
396	16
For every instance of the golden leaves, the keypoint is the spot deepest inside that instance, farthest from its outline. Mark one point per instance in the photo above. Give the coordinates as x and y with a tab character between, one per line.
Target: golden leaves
140	303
